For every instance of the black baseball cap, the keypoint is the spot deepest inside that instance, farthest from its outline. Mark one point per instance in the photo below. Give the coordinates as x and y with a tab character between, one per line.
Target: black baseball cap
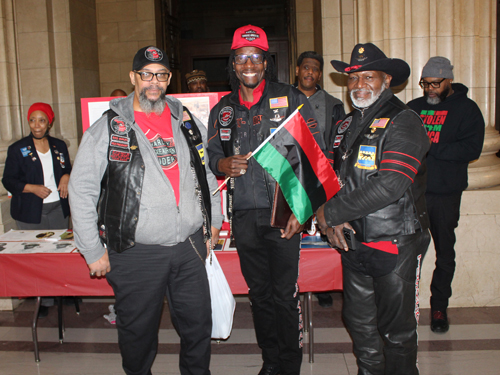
150	55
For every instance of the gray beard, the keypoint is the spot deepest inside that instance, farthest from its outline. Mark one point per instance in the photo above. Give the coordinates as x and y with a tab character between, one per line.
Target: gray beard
152	106
438	99
365	103
433	101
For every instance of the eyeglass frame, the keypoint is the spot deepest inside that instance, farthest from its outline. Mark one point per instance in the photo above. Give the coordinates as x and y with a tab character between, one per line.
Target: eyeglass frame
251	58
153	75
423	84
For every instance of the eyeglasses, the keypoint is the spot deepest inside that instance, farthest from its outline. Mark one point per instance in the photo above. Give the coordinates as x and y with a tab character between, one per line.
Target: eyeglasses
256	58
435	85
148	76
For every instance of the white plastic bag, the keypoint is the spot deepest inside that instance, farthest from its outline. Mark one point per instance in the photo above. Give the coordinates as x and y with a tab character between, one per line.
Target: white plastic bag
223	303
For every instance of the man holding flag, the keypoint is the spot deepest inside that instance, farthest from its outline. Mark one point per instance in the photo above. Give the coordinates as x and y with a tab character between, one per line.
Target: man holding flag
379	218
269	257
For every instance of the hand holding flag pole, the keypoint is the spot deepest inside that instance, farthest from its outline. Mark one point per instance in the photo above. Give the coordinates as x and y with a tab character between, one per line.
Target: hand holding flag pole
227	179
261	145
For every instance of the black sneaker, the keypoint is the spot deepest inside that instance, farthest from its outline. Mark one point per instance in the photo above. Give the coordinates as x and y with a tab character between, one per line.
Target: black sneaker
439	322
269	370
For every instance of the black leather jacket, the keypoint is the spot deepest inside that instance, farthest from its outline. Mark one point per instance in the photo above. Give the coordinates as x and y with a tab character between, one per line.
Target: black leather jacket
379	155
234	129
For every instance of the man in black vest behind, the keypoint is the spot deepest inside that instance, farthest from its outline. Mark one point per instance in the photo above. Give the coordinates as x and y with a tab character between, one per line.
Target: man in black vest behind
378	219
269	257
143	166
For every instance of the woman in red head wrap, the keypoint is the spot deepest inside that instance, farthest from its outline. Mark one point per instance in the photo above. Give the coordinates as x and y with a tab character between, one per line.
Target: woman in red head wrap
36	173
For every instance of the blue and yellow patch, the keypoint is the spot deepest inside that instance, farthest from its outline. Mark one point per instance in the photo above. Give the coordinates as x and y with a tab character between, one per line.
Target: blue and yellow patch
366	157
201	152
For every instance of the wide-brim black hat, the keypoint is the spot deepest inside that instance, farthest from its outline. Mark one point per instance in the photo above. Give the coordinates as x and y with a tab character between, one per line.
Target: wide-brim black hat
369	57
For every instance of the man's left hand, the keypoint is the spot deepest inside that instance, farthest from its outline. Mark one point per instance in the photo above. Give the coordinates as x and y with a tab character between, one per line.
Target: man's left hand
292	227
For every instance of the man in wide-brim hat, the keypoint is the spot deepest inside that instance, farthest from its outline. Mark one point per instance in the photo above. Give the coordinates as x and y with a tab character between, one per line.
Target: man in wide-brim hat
379	155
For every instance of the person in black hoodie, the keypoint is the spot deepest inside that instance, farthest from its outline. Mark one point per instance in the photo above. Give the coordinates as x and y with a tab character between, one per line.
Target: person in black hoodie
455	127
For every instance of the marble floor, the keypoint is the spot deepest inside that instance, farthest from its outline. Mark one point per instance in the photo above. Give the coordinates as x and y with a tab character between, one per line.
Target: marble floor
472	346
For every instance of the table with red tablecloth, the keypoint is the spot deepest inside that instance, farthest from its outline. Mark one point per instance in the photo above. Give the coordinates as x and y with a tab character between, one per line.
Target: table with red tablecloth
67	274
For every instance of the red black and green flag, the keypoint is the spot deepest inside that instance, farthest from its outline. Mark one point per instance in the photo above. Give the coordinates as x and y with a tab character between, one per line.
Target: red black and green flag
294	159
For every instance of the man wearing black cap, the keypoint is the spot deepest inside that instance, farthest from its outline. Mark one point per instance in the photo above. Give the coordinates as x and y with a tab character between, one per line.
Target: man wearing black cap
142	165
269	257
455	127
378	218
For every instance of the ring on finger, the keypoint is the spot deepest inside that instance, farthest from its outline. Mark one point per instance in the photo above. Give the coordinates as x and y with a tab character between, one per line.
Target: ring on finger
92	274
243	171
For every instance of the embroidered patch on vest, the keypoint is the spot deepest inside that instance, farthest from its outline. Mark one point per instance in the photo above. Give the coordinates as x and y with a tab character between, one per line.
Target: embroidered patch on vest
185	116
121	156
366	157
345	124
338	139
226	115
119	141
225	134
281	102
379	123
201	152
119	126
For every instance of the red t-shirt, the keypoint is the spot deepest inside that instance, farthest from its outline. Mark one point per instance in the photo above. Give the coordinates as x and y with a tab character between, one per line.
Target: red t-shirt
257	94
158	130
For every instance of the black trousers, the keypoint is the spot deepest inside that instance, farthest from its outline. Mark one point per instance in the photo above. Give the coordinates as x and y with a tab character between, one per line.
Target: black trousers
444	213
270	265
141	277
381	313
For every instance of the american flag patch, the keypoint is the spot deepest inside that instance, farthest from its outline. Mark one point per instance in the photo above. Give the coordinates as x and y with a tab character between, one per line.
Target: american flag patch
379	123
281	102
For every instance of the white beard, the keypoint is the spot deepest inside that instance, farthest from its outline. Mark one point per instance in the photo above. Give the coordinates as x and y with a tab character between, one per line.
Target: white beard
365	103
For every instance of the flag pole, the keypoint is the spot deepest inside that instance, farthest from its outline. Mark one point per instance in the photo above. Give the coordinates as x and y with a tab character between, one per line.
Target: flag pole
262	145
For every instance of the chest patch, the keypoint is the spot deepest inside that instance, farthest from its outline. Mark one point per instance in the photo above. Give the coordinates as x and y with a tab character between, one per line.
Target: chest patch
338	139
281	102
366	157
119	126
344	125
379	123
25	151
120	156
226	115
201	152
225	134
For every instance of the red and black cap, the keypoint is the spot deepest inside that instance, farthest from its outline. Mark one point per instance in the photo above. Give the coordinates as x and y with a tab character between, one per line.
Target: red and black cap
250	36
369	57
150	55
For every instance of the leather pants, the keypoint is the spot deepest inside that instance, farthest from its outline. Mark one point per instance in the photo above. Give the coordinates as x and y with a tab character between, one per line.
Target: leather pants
381	313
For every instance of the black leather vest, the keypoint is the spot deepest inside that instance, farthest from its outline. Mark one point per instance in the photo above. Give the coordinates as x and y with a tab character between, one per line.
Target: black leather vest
405	215
121	185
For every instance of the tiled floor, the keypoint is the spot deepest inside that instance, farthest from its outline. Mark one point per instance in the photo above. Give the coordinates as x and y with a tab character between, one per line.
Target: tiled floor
472	346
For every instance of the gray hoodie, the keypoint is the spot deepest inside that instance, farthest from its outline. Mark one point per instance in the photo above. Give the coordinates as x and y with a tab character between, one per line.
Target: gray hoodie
161	221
